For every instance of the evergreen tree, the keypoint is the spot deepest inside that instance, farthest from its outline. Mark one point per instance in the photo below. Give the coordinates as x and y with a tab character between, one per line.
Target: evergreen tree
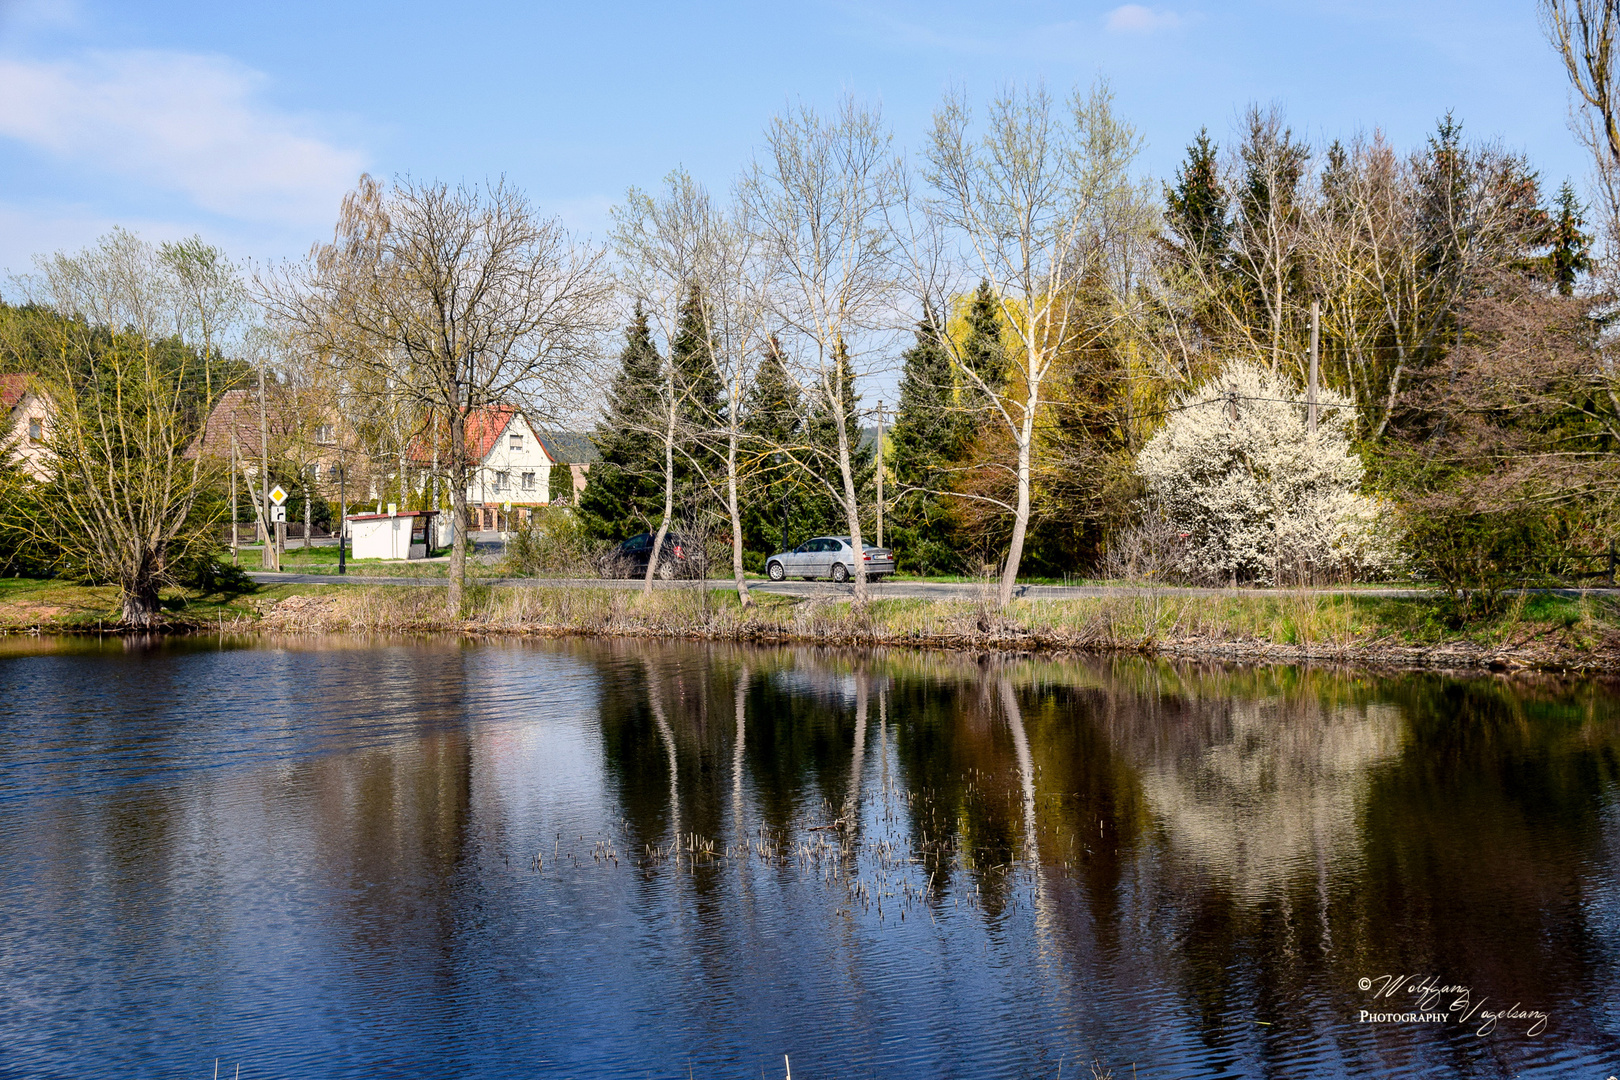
625	492
772	487
1570	248
700	413
983	352
822	513
926	437
1196	205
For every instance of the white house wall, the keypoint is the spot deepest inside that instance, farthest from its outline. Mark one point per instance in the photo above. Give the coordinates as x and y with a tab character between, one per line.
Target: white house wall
31	454
503	457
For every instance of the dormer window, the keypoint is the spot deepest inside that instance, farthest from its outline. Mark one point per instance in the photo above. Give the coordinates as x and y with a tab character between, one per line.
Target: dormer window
516	441
36	429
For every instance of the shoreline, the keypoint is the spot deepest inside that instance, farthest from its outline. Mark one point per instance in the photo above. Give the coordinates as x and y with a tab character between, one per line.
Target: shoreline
1579	635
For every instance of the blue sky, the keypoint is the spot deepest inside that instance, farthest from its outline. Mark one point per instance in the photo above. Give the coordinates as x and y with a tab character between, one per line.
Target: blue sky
247	122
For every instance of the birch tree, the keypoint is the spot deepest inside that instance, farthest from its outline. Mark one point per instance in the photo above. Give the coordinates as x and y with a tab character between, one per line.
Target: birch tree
463	298
1029	200
685	254
818	197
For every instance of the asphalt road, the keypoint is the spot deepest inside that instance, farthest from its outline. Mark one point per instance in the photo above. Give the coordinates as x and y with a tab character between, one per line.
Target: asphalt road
891	590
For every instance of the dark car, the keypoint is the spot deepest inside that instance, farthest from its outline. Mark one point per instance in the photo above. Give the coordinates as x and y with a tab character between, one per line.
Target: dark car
681	557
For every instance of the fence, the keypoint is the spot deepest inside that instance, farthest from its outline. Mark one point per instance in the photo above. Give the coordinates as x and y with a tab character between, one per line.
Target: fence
248	533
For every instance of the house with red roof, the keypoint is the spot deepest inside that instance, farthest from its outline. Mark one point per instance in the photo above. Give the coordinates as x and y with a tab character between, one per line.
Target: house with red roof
25	423
512	469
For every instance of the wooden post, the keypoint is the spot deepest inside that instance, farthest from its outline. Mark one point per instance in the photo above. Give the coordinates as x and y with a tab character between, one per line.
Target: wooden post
281	542
1310	395
880	475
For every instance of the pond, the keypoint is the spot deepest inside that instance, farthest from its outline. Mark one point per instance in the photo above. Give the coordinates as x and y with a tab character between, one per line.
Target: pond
351	857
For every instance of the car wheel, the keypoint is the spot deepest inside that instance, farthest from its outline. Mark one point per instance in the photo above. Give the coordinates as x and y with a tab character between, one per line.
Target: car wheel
840	573
666	571
775	572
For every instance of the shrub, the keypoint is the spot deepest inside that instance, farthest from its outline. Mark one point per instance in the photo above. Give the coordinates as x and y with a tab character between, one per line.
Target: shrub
1257	499
551	541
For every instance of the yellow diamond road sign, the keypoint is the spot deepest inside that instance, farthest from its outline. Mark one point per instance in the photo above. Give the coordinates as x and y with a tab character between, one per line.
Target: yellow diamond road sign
278	495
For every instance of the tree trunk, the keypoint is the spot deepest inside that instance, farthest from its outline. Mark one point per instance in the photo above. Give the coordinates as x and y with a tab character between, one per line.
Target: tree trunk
140	605
458	509
852	505
736	519
267	554
669	493
1015	552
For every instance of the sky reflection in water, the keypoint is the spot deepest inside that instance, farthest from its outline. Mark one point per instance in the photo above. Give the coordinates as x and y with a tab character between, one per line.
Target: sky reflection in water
628	858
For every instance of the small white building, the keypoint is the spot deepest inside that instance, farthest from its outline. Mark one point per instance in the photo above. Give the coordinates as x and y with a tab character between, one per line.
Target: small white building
402	535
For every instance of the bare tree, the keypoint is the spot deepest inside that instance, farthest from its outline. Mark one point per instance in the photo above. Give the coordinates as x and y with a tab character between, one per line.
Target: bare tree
817	199
685	254
1269	233
1030	201
134	371
1583	32
463	298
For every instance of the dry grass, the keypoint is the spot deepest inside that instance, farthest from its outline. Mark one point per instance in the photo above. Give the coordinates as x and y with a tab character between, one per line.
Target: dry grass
1293	624
1542	631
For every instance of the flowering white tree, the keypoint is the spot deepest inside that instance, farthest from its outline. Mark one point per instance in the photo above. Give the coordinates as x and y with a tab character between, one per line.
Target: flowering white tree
1253	495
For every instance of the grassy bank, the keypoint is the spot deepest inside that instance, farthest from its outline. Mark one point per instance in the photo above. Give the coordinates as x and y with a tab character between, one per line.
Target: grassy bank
1538	630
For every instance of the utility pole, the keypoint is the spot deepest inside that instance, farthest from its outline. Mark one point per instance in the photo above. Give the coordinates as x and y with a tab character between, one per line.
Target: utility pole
235	553
1310	393
880	474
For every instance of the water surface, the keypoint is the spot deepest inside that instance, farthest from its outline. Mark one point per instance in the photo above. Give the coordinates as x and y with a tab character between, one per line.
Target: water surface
442	858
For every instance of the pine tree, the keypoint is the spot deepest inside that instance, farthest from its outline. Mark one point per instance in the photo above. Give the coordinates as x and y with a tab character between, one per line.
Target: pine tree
1196	206
625	491
1570	255
983	352
821	434
772	488
928	435
701	409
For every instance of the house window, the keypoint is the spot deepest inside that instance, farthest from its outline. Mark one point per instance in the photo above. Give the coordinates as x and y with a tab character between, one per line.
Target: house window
516	441
36	429
324	434
528	481
500	481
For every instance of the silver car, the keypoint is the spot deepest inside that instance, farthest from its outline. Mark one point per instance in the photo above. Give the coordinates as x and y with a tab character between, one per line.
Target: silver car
828	556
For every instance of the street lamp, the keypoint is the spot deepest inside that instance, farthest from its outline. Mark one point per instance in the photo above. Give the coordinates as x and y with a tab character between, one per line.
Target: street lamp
343	514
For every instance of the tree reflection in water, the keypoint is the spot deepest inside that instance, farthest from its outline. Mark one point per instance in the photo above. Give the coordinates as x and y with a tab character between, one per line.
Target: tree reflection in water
601	858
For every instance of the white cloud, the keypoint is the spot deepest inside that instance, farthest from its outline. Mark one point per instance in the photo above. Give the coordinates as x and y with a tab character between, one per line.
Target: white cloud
1136	19
183	123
